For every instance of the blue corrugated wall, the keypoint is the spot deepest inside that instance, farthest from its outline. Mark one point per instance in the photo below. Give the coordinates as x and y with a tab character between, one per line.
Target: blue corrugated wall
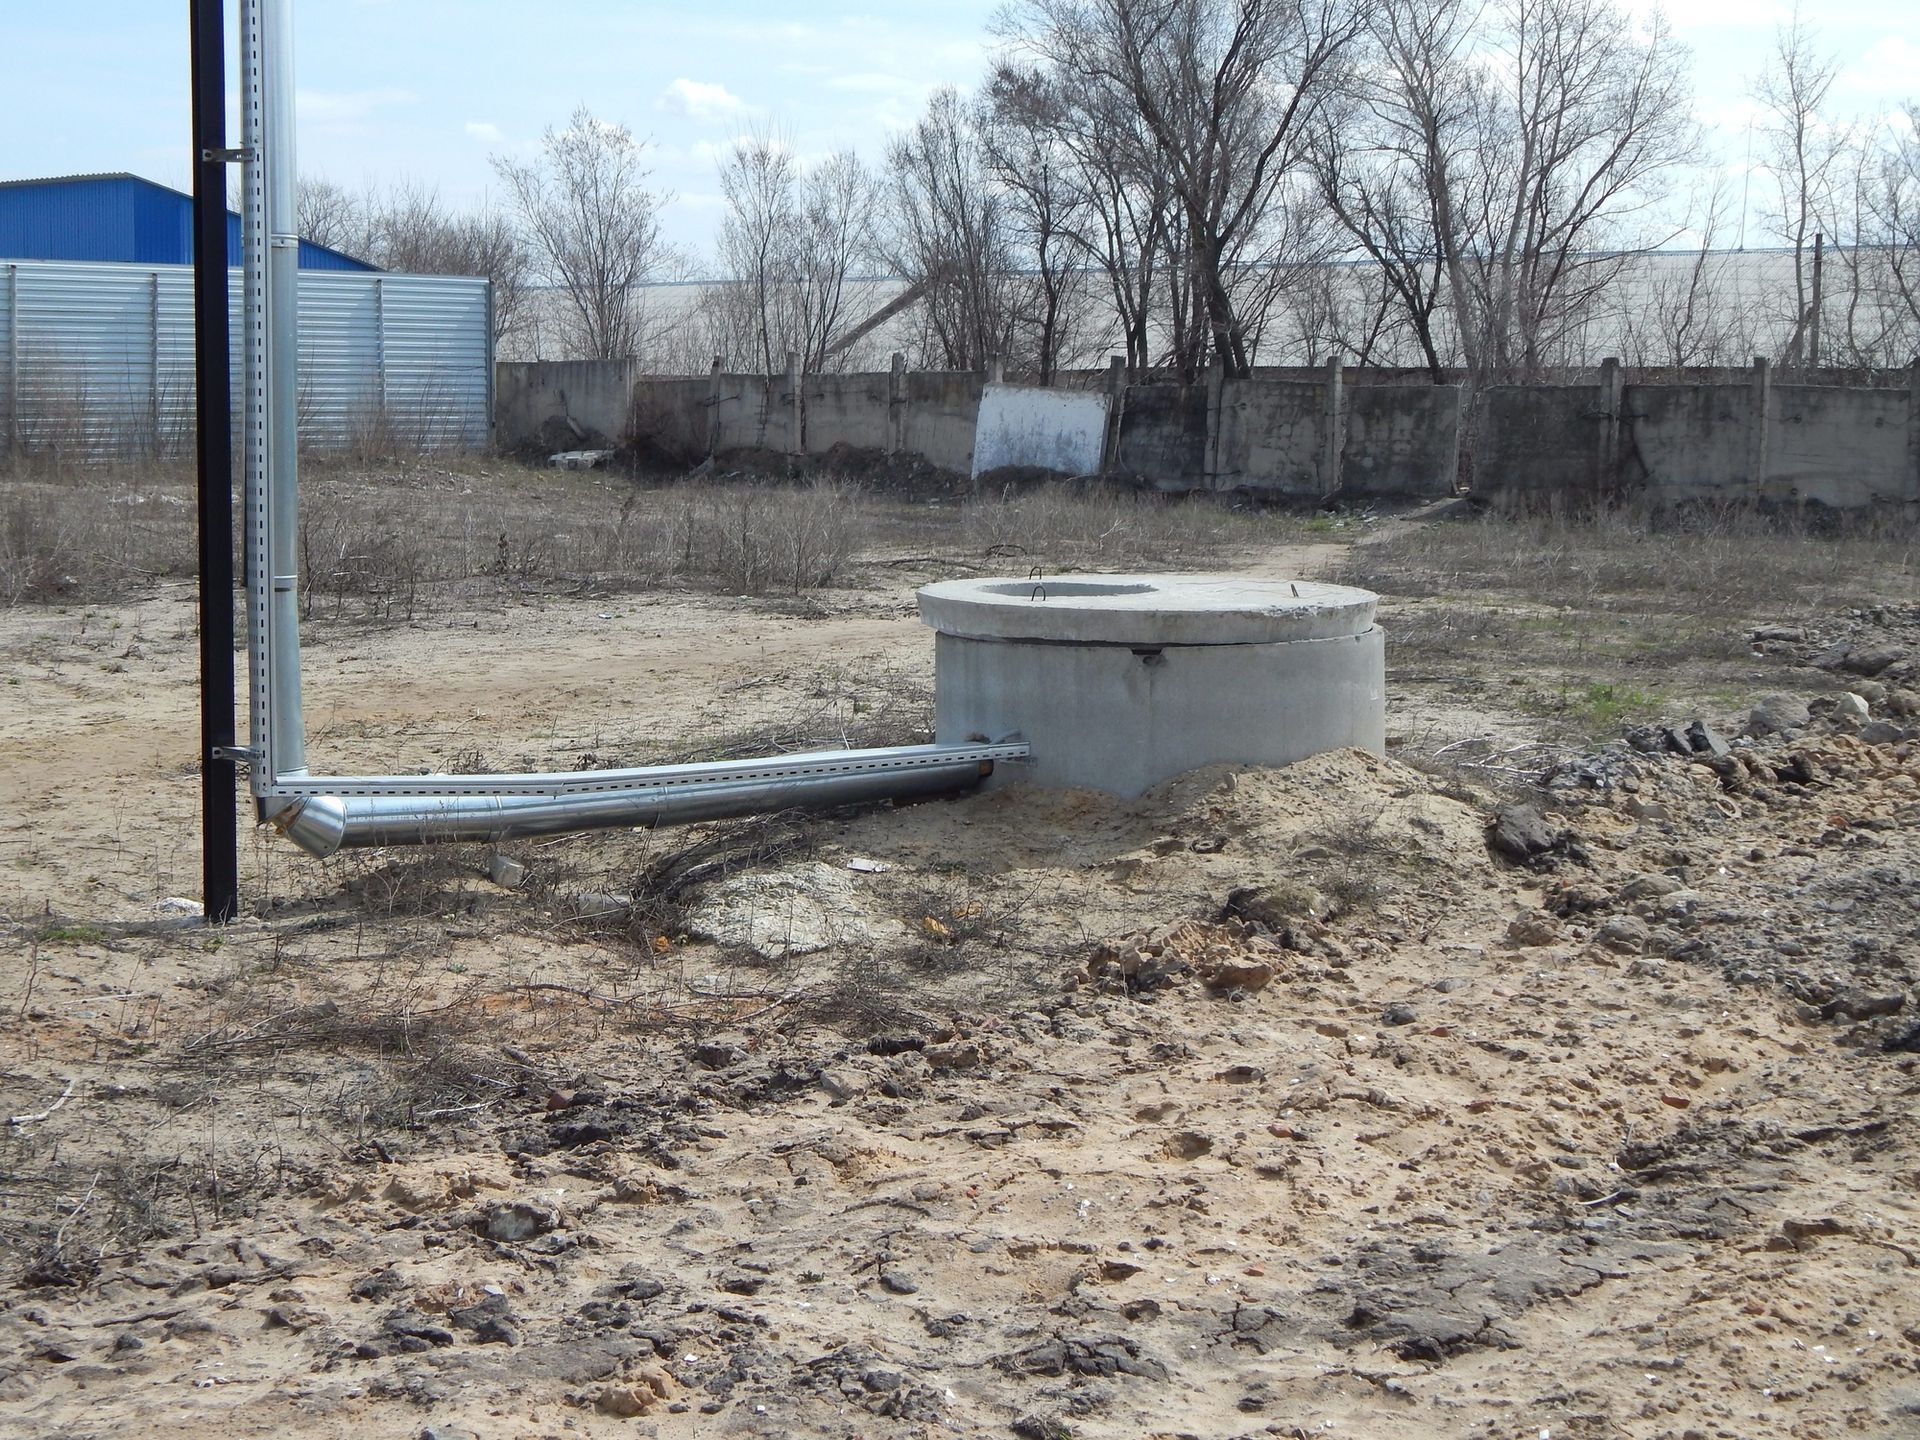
118	218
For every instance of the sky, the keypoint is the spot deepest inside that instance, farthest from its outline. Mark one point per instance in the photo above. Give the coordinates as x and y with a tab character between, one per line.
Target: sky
426	91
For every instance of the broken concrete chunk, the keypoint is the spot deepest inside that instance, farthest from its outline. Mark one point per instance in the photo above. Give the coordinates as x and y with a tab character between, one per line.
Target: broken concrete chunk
1521	832
1778	715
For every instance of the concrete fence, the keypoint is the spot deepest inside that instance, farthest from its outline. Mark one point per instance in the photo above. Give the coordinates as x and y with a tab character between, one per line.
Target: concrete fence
1755	440
1719	436
1296	438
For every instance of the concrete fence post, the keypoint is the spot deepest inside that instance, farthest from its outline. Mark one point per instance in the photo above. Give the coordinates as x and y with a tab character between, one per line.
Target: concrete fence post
1116	404
796	410
994	370
1762	390
897	404
713	404
1334	441
1216	393
1606	480
1913	431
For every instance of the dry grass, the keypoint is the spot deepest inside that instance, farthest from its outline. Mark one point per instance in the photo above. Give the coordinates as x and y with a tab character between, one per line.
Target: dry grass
1063	527
1725	563
90	535
394	542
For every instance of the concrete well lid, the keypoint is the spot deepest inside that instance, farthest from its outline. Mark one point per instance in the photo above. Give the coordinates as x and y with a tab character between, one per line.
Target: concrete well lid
1146	609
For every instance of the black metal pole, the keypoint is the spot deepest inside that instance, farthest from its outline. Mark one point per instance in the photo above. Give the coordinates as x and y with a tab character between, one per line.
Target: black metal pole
219	829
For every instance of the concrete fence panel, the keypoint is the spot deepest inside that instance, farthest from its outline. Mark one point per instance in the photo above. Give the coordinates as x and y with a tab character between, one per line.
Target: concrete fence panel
1842	448
1688	442
1273	437
1538	444
1401	440
1162	434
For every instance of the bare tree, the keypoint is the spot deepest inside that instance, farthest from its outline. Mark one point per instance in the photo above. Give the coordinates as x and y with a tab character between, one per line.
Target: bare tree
1574	141
791	242
1896	217
594	229
758	180
1802	154
839	199
1394	173
1226	93
331	215
1678	312
949	231
1032	161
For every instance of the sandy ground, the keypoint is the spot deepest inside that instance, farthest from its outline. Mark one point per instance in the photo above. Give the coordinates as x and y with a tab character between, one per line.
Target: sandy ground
1270	1103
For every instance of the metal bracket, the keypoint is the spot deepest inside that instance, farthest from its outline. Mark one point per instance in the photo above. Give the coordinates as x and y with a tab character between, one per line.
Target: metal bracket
238	754
238	155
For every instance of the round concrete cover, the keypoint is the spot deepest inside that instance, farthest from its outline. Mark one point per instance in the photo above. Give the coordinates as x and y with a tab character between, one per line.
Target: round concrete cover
1143	610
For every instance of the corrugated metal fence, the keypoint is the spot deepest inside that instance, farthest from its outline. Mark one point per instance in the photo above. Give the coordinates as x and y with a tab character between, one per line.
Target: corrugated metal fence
97	359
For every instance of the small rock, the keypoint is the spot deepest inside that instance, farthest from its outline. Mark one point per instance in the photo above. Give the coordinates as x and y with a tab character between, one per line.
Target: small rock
1235	973
1851	708
1647	887
512	1221
718	1057
1276	904
955	1055
1778	715
843	1084
1871	659
1703	739
639	1396
1400	1015
1533	927
1856	1004
1882	732
489	1322
1628	933
898	1282
506	872
1521	832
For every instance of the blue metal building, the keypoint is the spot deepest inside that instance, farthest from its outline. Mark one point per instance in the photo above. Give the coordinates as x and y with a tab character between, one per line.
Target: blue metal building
118	218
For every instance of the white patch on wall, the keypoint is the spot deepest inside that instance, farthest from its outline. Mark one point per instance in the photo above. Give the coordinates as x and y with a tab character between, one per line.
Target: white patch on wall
1061	430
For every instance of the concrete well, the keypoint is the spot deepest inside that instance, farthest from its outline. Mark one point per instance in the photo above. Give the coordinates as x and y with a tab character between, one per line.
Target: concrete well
1121	681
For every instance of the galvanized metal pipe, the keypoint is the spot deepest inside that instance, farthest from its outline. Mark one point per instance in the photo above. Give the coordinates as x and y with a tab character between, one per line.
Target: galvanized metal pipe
331	813
324	813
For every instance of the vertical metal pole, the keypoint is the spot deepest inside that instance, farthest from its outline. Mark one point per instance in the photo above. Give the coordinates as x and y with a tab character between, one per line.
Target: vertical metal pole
271	413
212	361
1813	310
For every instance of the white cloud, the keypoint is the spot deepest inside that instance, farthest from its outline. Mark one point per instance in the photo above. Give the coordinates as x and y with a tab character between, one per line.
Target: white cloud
485	130
698	100
347	107
1888	68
